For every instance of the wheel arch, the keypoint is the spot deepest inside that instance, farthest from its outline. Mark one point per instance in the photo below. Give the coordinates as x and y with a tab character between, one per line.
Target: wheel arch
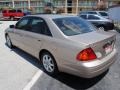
6	35
45	50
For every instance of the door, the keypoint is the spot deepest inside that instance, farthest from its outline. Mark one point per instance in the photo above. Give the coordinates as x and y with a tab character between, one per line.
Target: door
18	32
94	20
34	37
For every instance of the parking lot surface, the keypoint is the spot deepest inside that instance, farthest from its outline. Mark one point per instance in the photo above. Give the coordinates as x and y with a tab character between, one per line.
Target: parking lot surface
110	80
17	68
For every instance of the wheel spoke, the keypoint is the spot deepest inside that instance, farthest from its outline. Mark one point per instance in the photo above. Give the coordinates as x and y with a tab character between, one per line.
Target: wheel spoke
8	41
50	64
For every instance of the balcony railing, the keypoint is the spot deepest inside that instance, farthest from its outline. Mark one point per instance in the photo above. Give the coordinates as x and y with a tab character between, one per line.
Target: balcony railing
63	4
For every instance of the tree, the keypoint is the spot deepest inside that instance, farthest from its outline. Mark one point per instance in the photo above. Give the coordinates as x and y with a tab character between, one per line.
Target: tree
101	5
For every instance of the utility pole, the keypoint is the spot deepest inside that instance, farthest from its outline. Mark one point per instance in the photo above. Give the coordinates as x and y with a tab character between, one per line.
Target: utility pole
66	6
77	6
29	4
13	4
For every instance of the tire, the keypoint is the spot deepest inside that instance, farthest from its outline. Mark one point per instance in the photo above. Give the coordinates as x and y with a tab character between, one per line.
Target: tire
101	28
49	64
8	42
12	18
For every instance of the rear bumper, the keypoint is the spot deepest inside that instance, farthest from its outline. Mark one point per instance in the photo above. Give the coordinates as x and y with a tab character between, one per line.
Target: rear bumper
94	68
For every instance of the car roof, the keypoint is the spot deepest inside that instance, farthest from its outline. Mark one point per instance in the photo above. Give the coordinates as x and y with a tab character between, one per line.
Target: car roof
91	14
52	16
93	11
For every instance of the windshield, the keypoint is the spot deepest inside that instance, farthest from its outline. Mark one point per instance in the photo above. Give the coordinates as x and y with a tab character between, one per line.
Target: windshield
73	25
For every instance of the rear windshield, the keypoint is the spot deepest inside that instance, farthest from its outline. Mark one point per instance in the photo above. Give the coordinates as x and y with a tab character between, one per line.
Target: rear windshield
103	14
73	25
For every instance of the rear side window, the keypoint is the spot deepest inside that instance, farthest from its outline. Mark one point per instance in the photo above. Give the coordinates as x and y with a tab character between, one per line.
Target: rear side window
73	25
83	16
38	25
93	17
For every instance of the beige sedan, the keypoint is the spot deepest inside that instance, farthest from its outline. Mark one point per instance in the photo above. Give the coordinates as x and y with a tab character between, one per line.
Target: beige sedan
64	43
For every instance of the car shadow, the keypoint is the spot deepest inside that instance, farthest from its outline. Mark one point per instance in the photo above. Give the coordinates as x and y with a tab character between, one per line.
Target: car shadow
79	83
72	81
34	61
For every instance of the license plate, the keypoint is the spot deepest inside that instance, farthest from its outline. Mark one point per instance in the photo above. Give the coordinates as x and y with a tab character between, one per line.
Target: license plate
108	49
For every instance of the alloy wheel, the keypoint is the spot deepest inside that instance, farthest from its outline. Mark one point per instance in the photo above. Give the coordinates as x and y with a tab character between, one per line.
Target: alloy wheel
48	63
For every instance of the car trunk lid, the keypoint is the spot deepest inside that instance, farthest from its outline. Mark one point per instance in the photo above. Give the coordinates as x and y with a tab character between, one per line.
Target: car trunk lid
101	42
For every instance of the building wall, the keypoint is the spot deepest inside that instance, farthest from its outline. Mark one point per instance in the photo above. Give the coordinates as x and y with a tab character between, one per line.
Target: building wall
38	5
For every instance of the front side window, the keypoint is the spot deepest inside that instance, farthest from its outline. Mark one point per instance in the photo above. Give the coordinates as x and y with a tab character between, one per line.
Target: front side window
19	11
22	24
73	25
12	11
4	11
93	17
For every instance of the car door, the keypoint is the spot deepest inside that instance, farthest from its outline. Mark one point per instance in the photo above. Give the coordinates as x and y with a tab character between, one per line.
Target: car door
18	32
34	37
94	19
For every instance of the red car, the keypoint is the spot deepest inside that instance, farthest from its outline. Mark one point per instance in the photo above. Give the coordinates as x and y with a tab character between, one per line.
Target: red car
12	14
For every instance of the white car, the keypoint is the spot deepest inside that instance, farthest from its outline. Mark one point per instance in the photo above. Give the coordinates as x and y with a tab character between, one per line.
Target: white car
100	13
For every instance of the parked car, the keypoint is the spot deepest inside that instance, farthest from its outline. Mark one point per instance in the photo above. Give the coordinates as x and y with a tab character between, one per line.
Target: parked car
12	14
100	22
64	43
100	13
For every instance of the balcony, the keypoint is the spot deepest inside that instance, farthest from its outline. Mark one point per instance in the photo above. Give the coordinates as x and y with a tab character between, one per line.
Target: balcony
63	4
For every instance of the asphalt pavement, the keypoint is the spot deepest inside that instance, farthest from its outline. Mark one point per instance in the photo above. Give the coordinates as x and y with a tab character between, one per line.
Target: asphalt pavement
16	67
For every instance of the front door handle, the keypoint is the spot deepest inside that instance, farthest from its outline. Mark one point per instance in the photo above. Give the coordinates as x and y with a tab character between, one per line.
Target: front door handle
39	40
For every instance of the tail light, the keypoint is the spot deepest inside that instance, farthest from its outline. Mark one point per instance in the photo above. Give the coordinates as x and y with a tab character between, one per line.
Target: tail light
86	55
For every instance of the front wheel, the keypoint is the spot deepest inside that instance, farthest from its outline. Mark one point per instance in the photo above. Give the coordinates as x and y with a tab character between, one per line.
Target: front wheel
101	28
8	42
12	18
49	64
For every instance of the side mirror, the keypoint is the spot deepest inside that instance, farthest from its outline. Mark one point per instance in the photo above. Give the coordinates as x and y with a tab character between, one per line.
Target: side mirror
12	26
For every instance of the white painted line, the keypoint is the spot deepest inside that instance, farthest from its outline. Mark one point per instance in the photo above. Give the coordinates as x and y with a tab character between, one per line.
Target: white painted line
33	81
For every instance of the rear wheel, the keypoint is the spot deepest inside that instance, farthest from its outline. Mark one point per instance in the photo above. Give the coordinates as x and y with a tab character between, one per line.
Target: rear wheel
49	63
